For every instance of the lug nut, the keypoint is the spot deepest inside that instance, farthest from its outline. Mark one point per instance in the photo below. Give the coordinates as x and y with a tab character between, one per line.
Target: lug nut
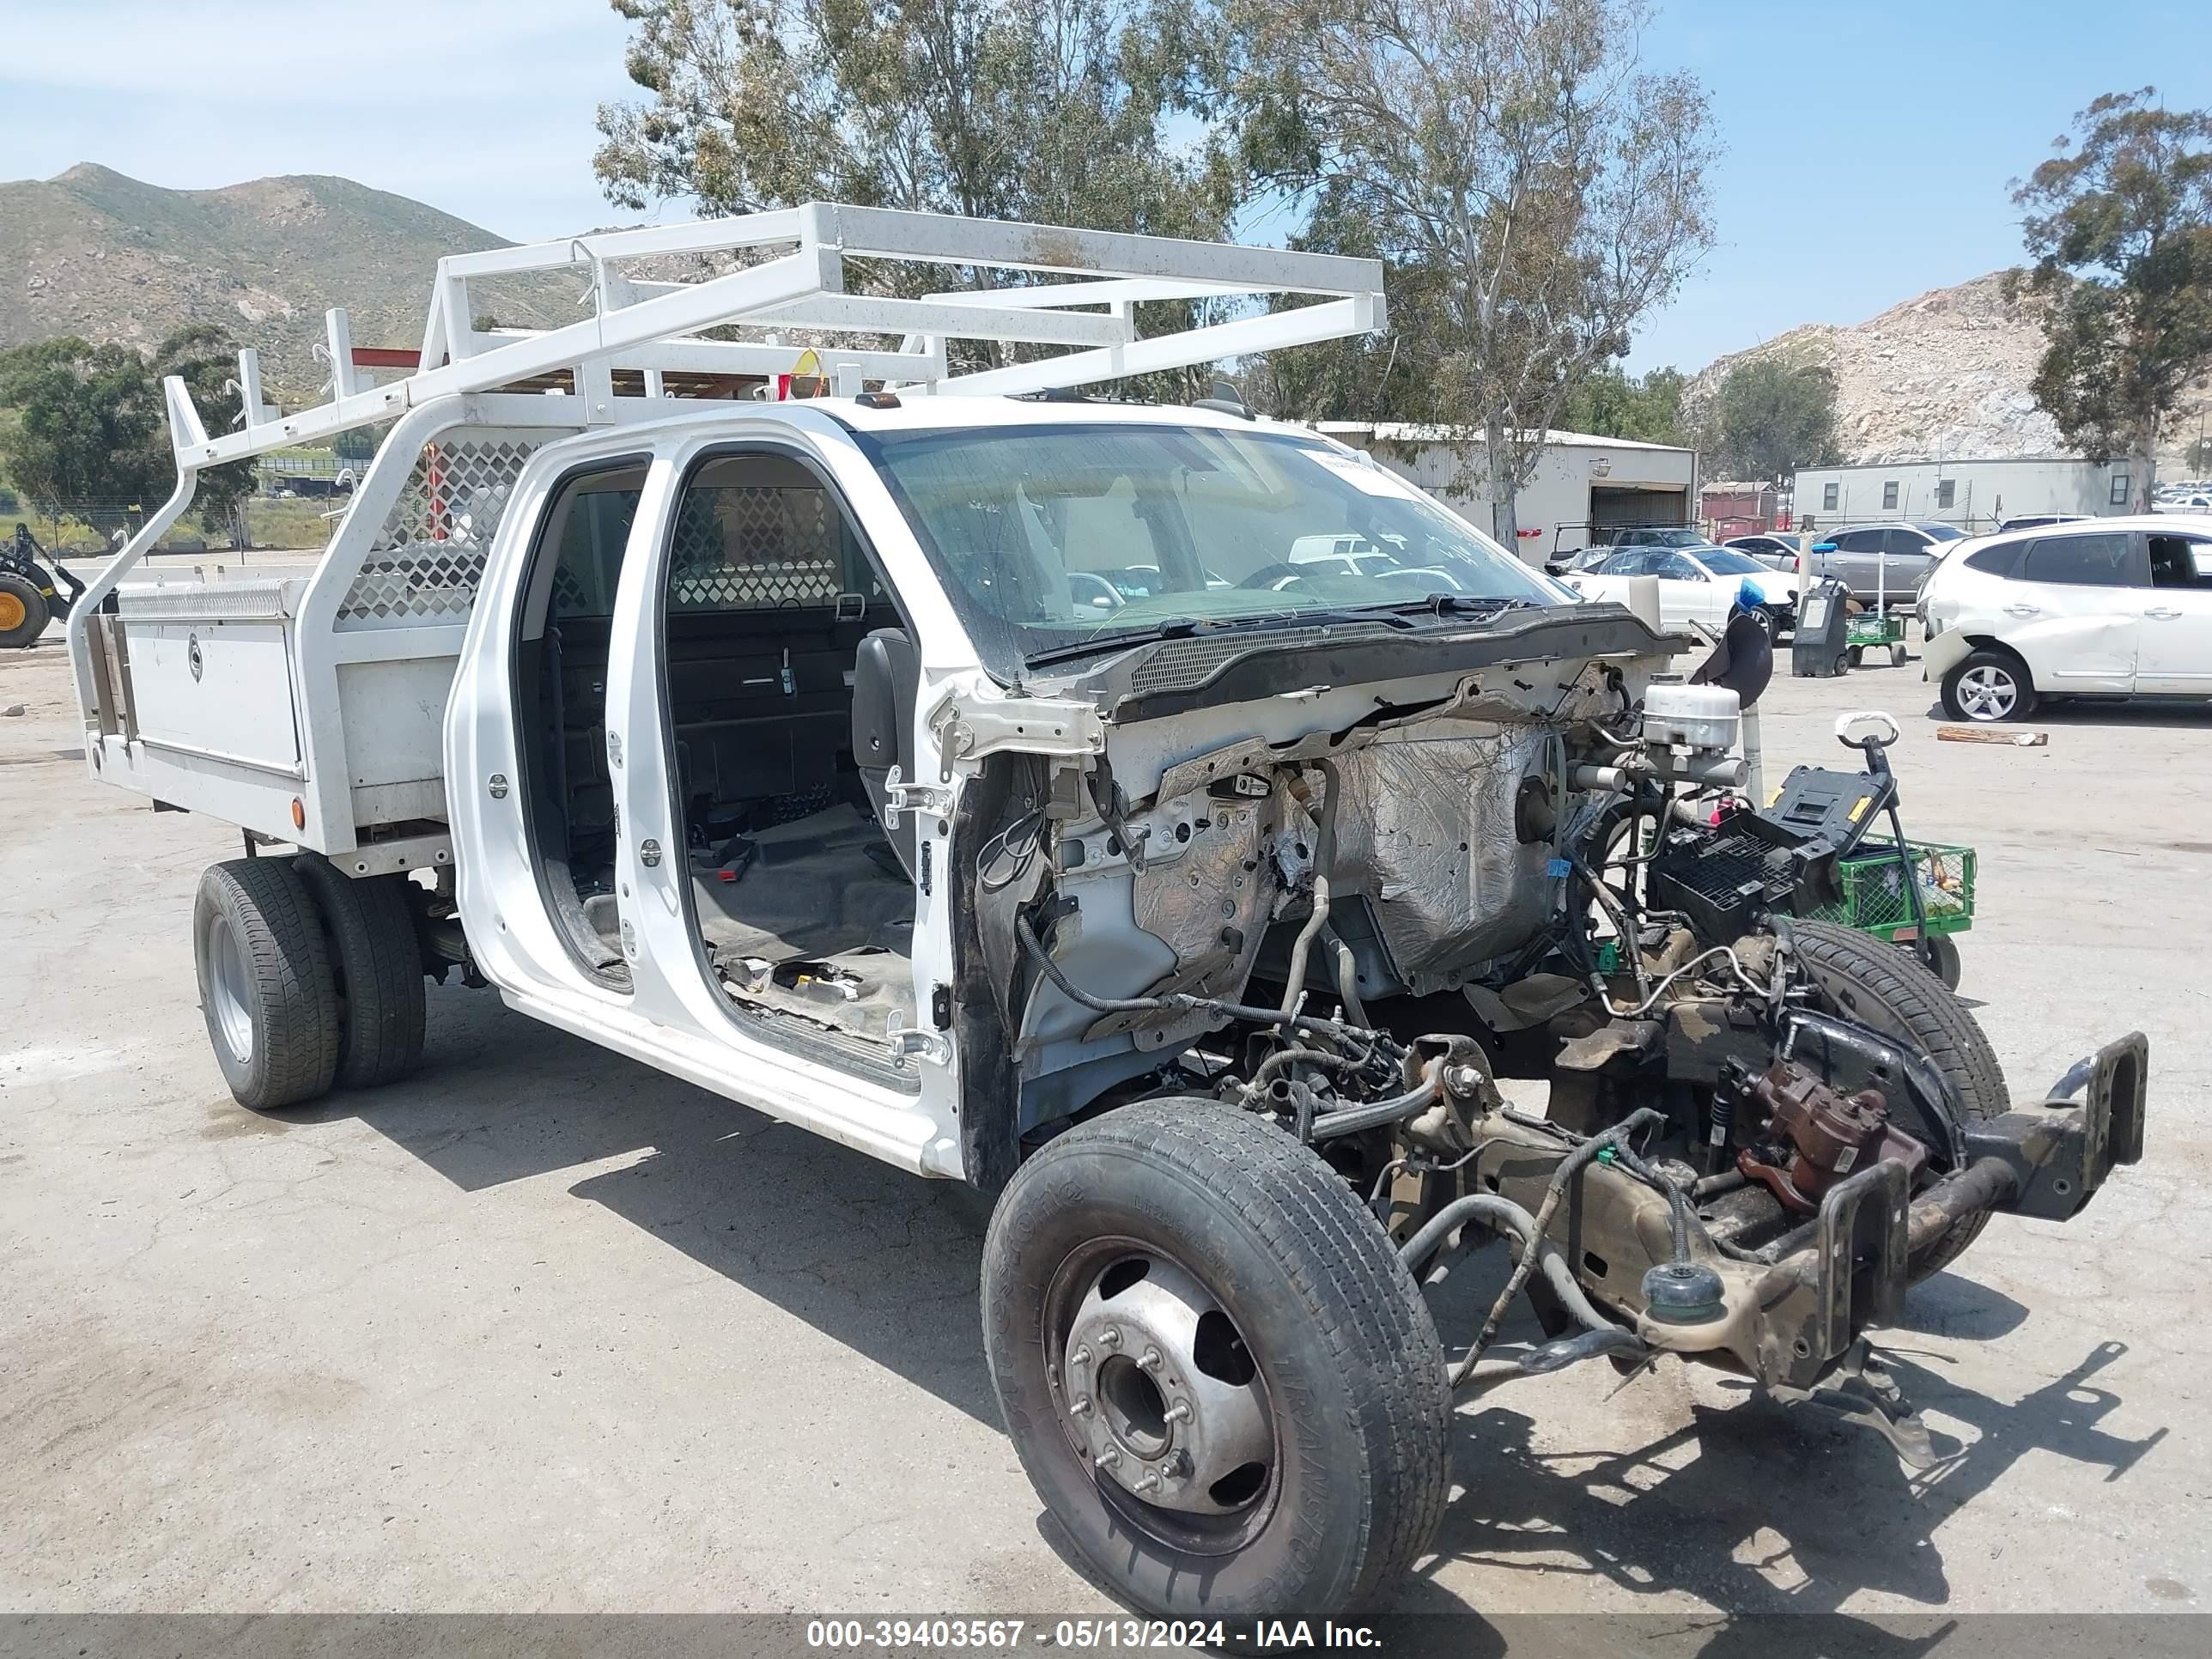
1080	1357
1110	1458
1150	1359
1110	1337
1178	1412
1148	1482
1079	1407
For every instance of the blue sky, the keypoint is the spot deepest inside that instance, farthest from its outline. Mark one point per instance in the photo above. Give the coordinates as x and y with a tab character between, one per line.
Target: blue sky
1869	145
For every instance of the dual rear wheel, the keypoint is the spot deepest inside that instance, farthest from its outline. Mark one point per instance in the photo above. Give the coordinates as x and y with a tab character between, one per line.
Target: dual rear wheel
309	979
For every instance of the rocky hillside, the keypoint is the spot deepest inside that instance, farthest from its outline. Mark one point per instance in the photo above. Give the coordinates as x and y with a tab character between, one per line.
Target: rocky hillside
93	253
1946	373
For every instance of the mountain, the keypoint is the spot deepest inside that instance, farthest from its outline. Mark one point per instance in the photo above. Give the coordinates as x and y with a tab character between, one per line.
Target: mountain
93	253
1946	373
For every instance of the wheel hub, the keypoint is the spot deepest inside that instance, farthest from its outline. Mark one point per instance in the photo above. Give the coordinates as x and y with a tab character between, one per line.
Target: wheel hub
228	988
1987	694
1156	1383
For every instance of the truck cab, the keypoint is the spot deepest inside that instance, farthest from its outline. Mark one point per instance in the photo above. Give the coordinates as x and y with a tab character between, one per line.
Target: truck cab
759	713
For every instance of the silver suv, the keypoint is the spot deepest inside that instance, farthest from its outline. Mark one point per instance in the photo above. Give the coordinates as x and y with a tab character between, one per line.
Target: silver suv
1883	563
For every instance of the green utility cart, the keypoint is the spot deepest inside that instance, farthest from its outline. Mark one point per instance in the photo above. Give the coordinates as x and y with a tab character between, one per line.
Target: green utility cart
1870	630
1878	881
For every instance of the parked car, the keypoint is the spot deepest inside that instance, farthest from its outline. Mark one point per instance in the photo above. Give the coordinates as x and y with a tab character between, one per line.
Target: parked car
1577	558
2036	521
1662	534
2102	608
1696	584
1882	563
1775	552
1341	556
1606	540
2194	502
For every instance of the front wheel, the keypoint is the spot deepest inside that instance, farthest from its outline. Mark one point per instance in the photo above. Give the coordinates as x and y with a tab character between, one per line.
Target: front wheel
1988	686
1219	1378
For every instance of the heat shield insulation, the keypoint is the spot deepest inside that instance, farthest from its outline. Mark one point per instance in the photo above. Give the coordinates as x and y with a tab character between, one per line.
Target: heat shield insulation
1426	832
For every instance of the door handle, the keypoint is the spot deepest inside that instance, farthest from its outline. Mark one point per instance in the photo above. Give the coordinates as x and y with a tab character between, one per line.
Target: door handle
2023	610
2163	613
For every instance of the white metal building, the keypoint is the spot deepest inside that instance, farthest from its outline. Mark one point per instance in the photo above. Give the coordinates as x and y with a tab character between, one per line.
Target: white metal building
1581	479
1971	493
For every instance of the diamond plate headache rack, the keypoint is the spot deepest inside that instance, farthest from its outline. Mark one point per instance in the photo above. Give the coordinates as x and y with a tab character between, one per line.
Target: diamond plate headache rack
653	329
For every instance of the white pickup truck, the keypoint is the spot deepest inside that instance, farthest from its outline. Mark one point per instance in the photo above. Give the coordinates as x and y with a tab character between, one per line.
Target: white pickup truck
985	777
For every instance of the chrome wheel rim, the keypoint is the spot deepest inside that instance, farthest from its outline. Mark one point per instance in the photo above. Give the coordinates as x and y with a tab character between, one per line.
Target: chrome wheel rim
1158	1393
228	991
1988	693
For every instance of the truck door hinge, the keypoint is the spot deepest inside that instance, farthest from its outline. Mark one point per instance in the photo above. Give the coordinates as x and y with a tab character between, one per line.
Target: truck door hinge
931	799
907	1043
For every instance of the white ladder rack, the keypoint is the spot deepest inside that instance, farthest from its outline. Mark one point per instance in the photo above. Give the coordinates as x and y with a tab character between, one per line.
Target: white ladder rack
656	327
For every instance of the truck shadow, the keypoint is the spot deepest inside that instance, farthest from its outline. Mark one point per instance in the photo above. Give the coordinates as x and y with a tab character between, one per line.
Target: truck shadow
876	1258
1759	1510
886	1265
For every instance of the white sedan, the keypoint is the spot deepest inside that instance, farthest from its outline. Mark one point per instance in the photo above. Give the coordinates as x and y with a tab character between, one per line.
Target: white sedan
2118	607
1696	584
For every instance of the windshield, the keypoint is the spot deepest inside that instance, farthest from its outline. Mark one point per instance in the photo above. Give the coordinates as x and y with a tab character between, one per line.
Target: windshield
1051	538
1724	562
1663	539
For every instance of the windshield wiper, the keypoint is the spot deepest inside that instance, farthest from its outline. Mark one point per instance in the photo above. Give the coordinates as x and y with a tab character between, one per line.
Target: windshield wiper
1201	626
1453	604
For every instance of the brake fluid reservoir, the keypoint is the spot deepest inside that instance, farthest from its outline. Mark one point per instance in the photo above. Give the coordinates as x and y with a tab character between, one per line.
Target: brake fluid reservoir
1695	716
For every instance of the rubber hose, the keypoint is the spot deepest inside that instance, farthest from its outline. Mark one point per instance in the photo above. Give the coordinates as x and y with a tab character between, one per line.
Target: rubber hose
1568	1168
1375	1113
1347	978
1324	861
1490	1207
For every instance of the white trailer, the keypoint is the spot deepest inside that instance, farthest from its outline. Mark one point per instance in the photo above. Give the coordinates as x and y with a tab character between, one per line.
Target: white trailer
997	781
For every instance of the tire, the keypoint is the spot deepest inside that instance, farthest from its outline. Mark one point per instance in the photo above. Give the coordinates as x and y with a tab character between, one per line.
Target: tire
265	983
378	971
1899	656
1842	665
1887	988
1988	686
1316	1342
1857	654
23	611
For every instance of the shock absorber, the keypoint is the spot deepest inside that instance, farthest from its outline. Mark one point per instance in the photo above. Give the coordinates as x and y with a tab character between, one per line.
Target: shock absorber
1720	1116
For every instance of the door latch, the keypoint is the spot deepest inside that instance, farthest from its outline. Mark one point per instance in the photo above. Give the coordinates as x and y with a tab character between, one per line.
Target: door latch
899	796
649	853
906	1042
